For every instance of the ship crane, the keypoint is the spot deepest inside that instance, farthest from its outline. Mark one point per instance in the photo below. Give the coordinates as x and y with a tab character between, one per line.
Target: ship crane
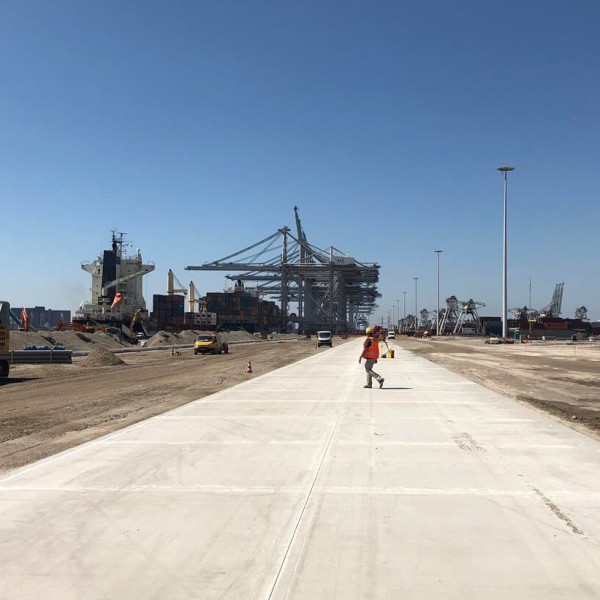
144	270
194	298
171	281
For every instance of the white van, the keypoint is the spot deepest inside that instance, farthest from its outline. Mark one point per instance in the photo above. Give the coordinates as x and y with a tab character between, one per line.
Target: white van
324	338
391	335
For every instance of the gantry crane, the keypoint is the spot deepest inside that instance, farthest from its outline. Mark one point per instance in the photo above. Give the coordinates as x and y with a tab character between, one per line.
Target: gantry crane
329	288
407	324
524	313
425	320
555	307
468	314
450	315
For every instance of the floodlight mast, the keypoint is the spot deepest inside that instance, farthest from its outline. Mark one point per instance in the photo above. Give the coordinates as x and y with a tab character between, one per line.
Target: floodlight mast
506	170
437	318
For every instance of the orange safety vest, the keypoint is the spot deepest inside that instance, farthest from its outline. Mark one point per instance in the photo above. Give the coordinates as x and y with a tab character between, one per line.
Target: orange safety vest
373	350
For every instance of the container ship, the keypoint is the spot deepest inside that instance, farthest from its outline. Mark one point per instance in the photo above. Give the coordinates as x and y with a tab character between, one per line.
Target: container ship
117	282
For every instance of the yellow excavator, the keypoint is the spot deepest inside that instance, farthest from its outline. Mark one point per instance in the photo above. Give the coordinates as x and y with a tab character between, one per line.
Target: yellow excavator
139	314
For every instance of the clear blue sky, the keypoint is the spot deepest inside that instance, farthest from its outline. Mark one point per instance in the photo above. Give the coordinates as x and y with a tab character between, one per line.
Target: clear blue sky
196	126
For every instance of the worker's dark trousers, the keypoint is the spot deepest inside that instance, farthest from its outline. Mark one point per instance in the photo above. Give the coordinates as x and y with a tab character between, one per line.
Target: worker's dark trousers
369	362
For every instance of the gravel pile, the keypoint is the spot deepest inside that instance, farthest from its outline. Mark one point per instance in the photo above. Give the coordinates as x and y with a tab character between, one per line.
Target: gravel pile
78	341
240	336
71	340
18	339
162	338
101	357
187	337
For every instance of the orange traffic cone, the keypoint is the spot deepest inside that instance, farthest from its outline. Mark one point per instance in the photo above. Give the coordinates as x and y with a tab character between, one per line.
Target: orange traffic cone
248	368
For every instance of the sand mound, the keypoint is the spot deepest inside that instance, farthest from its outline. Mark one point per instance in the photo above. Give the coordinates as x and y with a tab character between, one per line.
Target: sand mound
71	340
239	336
162	338
19	339
100	357
187	337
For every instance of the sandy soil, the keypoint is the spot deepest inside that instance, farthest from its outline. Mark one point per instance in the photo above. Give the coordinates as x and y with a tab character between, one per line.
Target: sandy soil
561	378
45	409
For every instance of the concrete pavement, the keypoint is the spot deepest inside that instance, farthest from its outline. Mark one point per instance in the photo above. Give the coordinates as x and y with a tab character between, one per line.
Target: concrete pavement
301	484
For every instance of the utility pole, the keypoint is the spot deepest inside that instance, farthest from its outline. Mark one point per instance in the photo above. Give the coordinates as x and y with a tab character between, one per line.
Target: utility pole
397	312
404	305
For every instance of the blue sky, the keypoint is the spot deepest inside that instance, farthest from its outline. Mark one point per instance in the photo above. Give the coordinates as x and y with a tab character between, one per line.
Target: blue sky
196	127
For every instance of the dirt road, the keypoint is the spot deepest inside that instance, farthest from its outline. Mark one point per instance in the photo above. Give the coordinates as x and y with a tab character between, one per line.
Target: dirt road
46	409
561	378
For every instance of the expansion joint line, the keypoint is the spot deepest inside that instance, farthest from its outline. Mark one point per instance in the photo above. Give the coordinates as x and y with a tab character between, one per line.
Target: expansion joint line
346	393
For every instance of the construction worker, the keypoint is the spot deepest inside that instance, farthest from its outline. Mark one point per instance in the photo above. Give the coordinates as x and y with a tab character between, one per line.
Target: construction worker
371	353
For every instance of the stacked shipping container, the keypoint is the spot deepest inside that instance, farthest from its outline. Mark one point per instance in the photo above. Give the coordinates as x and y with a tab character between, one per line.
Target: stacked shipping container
168	310
230	309
201	320
243	310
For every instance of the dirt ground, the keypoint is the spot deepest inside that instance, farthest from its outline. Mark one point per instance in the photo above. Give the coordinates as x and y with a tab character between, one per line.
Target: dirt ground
562	378
45	409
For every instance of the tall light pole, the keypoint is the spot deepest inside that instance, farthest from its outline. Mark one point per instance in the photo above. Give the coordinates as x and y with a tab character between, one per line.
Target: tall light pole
505	170
416	317
404	305
398	310
437	317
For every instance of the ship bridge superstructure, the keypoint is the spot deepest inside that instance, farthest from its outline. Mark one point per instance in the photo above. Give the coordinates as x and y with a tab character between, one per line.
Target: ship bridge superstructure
117	283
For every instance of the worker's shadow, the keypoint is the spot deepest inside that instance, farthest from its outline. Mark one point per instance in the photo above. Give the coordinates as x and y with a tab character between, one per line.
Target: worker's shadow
395	388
